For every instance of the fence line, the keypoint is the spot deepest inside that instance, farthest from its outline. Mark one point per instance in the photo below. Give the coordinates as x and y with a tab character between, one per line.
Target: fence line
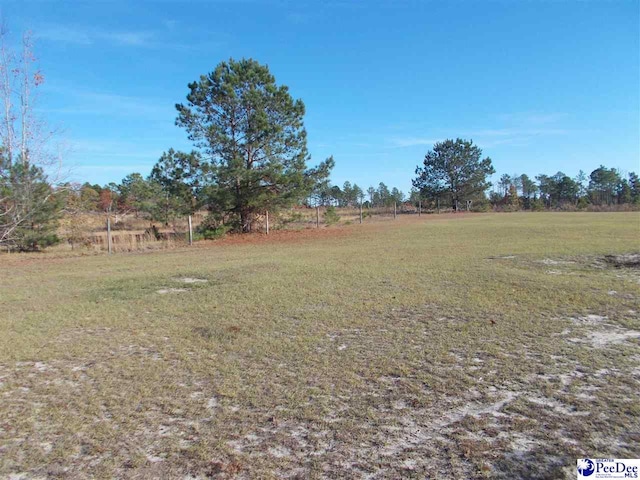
113	238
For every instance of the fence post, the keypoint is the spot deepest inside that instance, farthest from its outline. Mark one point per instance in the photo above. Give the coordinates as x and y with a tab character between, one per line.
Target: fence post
267	222
190	231
438	204
419	207
394	210
317	217
360	211
109	247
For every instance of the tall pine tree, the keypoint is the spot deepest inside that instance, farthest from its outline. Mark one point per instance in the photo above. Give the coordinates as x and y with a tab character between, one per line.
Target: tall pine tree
251	130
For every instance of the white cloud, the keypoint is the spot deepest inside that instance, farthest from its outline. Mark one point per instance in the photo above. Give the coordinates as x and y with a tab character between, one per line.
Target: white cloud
64	35
86	36
124	169
532	118
80	102
297	18
511	135
413	141
132	39
83	36
170	24
510	132
112	149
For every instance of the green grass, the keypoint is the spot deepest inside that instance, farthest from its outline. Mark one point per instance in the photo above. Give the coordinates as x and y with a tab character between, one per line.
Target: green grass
423	347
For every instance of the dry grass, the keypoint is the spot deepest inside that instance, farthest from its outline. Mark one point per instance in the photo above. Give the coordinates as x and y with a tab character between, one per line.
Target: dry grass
499	346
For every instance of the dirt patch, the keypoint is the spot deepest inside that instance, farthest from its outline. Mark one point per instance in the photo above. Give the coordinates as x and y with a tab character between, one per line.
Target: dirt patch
279	236
334	231
164	291
629	260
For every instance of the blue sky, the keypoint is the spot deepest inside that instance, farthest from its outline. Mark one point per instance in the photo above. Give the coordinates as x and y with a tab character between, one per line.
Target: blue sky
540	86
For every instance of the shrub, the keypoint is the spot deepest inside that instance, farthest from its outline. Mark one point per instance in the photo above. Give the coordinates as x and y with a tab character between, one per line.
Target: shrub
331	216
583	203
537	205
211	228
481	205
211	233
33	241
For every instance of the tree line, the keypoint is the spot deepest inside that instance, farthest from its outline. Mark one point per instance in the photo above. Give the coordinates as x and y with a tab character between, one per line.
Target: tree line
455	172
603	187
250	156
172	191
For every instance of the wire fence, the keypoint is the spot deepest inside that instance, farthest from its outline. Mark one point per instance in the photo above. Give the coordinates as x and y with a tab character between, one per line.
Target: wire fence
111	234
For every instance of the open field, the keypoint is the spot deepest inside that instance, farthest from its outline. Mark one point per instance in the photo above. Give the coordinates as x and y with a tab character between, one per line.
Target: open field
469	346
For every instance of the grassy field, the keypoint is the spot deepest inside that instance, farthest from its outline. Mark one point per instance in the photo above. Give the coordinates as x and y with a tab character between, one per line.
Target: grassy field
469	346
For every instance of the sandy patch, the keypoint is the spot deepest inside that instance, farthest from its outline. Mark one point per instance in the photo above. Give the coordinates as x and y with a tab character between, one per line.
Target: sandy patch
189	280
590	320
279	452
164	291
604	338
548	261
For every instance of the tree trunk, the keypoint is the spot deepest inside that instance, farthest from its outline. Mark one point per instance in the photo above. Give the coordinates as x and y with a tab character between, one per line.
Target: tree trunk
245	221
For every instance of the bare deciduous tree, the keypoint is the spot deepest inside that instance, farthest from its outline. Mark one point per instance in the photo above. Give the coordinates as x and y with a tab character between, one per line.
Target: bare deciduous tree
30	166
